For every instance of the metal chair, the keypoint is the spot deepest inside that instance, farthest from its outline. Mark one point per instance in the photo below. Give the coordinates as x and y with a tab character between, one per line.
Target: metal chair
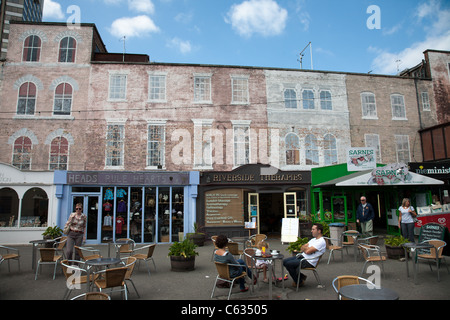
313	269
75	275
332	248
112	278
255	239
342	281
213	239
371	254
435	255
249	253
126	248
223	271
350	239
129	263
11	254
93	253
48	256
59	245
147	257
92	296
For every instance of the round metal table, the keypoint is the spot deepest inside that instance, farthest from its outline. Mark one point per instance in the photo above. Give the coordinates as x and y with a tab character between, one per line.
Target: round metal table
99	262
364	292
271	271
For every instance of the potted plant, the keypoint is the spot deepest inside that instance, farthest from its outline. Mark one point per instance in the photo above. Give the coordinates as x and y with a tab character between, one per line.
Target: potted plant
197	237
305	225
52	232
393	244
182	255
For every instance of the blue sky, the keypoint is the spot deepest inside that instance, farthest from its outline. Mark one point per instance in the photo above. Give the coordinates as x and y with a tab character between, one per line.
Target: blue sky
349	35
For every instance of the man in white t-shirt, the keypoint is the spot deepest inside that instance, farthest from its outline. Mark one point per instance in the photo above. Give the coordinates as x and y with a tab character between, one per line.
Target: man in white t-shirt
311	251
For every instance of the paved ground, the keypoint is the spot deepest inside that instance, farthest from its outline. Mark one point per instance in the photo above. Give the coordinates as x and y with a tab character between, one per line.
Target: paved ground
164	284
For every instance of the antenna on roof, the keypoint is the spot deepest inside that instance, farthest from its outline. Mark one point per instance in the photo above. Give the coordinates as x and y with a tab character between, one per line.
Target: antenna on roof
124	40
398	61
302	54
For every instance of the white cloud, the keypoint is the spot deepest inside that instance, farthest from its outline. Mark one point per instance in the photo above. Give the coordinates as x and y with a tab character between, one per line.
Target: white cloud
263	17
437	37
145	6
183	46
52	10
139	26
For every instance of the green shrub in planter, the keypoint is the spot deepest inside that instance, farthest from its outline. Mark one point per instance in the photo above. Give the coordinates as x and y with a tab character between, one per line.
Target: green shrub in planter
294	247
182	255
394	249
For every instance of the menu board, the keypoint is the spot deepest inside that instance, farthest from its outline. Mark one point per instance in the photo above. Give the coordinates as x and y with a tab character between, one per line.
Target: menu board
289	230
224	207
430	231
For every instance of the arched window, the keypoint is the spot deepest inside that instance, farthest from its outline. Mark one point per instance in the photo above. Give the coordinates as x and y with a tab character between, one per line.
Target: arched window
312	153
292	149
22	153
330	150
290	99
27	99
32	49
325	100
308	99
63	99
59	153
67	49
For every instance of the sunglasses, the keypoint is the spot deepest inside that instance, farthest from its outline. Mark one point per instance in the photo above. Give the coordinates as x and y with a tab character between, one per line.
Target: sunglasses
78	209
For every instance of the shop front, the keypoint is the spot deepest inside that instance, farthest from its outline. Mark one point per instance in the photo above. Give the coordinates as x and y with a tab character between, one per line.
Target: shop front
251	199
336	193
144	206
27	204
439	210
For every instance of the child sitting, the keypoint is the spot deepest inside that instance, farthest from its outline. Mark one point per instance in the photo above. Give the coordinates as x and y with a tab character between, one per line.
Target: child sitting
262	264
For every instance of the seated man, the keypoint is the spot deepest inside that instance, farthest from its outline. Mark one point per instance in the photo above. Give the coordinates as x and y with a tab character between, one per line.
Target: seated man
312	250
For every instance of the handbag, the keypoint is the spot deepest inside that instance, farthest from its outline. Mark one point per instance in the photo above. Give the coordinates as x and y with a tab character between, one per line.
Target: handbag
66	229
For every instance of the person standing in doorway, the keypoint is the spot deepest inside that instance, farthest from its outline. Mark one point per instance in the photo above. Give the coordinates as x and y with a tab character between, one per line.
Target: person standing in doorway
77	230
364	216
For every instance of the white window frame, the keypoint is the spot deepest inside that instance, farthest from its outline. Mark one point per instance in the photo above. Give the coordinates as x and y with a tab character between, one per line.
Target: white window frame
162	90
333	152
239	83
399	144
122	87
202	82
325	100
307	101
241	145
372	140
425	101
314	151
203	144
291	101
108	162
162	125
364	106
295	148
398	106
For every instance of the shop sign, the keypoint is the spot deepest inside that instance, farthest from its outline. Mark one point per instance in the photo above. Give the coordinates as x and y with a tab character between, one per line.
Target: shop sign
360	159
127	178
224	208
432	169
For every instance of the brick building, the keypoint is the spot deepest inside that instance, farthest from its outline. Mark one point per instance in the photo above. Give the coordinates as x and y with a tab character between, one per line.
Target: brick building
151	148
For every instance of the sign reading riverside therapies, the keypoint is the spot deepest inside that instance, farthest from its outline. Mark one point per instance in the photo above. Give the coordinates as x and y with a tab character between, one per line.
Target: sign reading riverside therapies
360	159
106	178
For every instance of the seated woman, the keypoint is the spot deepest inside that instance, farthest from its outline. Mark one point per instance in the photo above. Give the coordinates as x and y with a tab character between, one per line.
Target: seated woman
223	256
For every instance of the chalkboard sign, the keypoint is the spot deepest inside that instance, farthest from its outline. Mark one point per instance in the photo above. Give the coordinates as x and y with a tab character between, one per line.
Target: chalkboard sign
431	231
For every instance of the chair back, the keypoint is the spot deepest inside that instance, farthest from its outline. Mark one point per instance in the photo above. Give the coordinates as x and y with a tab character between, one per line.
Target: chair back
248	254
373	240
96	296
233	248
365	251
80	253
223	270
130	262
68	267
438	246
343	281
125	248
150	251
348	234
47	254
257	238
115	277
61	243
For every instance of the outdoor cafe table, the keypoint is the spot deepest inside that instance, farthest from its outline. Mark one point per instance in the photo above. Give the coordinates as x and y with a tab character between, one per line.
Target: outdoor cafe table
271	269
99	262
35	243
364	292
117	244
414	246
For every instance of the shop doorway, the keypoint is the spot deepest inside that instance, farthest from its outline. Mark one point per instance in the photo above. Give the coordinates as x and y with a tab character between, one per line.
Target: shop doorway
377	200
271	213
91	210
